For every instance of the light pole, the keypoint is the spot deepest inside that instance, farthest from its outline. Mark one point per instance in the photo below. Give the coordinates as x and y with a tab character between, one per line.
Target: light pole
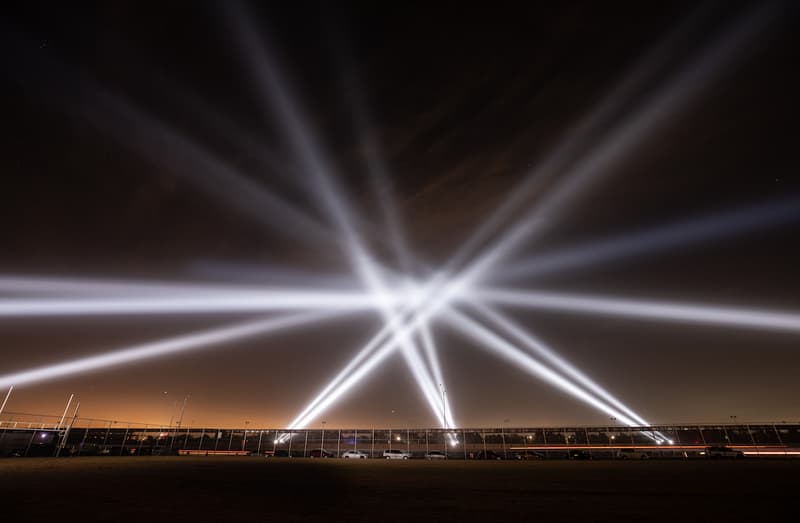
503	436
322	444
444	405
244	438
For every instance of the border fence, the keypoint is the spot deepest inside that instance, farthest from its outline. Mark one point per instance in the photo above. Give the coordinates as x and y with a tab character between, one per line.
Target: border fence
40	435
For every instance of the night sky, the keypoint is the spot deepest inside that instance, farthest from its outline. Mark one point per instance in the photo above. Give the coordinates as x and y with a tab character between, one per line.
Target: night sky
111	114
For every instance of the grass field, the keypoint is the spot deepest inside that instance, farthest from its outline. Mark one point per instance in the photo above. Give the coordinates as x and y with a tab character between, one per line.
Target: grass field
228	489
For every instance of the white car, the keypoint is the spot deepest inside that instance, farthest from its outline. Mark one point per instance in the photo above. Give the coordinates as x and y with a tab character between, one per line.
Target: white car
354	454
396	454
435	454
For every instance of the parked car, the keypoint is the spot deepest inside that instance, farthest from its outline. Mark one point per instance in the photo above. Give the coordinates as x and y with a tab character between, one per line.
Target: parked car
632	454
527	455
579	454
721	452
435	454
320	453
396	454
354	454
488	454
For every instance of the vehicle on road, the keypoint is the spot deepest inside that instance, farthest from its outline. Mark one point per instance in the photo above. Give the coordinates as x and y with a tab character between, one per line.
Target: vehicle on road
632	454
579	454
354	454
721	452
320	453
435	454
396	454
525	455
488	454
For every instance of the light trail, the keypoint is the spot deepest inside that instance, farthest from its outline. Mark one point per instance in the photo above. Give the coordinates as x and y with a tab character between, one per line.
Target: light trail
523	361
647	309
718	226
179	344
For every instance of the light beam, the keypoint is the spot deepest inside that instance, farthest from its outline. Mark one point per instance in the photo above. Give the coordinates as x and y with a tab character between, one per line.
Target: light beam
179	344
647	309
510	352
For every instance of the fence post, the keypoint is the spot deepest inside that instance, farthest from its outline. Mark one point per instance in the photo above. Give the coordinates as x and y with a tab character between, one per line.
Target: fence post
124	440
85	435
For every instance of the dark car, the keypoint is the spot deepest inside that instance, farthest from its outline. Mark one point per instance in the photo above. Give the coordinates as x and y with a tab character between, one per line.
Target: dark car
320	453
488	454
722	452
579	454
525	455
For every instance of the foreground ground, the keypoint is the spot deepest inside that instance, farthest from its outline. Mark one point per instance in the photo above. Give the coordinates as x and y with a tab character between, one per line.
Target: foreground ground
258	489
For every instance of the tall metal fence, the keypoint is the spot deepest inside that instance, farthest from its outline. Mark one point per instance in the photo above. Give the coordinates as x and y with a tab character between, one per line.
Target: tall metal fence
39	435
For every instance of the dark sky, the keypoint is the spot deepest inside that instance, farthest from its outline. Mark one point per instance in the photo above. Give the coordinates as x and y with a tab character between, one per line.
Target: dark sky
114	114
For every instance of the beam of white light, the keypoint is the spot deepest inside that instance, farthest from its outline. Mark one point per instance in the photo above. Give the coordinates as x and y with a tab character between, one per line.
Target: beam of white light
650	241
164	146
579	137
179	344
433	363
257	275
193	304
52	286
499	346
647	309
373	353
526	339
623	139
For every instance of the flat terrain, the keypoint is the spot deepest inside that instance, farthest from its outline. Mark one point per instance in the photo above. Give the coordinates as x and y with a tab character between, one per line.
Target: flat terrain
260	489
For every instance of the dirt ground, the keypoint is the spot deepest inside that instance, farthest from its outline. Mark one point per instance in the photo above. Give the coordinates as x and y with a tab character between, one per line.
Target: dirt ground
263	489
